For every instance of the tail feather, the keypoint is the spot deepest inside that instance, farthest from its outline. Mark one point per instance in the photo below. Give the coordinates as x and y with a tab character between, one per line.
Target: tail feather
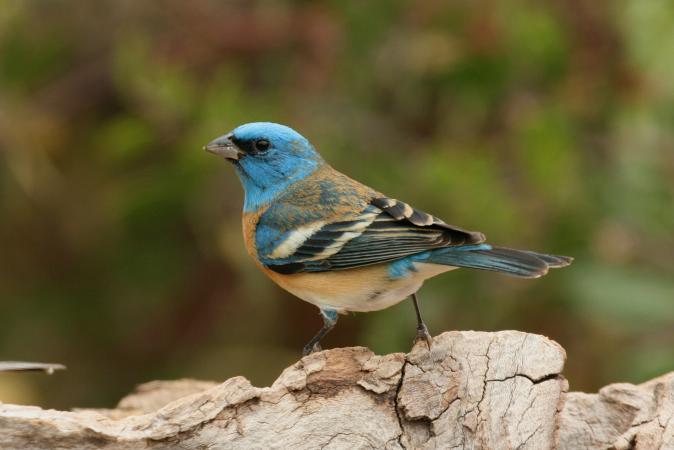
519	263
553	261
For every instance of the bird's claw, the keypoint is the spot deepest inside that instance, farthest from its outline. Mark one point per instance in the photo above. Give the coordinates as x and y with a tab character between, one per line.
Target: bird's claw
424	335
311	348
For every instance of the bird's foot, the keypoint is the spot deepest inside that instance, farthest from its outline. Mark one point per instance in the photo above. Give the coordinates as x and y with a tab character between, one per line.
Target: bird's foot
424	335
311	348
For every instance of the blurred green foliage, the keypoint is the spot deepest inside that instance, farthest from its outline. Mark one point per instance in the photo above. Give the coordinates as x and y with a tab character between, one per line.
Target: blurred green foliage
547	125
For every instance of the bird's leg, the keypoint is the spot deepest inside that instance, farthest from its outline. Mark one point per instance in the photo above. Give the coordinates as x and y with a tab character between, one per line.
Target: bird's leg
329	321
422	329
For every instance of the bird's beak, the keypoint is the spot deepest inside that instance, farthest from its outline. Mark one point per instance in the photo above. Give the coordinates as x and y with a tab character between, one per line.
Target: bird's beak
224	147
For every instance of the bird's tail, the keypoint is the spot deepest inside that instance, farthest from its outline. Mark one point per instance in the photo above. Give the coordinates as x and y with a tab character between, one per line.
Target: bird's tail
519	263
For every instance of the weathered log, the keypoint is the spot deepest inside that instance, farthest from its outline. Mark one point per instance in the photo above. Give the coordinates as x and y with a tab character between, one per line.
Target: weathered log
474	390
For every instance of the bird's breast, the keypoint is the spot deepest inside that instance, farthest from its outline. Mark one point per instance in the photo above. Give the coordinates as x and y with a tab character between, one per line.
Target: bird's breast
249	225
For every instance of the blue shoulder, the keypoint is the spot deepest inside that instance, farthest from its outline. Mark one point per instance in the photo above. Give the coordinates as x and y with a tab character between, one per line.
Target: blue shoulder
325	196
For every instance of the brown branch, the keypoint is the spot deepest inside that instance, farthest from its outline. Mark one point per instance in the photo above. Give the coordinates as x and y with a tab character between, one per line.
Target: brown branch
22	366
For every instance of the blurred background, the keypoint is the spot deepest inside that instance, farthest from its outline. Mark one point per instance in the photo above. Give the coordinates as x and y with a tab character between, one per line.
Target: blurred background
548	125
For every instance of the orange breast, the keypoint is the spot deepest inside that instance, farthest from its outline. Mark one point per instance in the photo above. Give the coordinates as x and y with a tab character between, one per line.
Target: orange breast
249	224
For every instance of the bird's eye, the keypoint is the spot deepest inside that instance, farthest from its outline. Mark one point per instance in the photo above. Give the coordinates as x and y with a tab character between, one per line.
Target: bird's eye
261	145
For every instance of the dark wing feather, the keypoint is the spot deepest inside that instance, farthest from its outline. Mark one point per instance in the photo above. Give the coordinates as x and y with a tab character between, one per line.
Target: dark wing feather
385	231
402	211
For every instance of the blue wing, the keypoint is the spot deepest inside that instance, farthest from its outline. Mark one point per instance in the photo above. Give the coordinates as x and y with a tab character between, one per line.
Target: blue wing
384	230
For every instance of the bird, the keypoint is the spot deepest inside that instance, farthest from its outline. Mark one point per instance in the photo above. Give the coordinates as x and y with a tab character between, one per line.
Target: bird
341	245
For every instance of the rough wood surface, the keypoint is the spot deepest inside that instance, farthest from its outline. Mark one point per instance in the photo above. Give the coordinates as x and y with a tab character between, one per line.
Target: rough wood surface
621	416
473	391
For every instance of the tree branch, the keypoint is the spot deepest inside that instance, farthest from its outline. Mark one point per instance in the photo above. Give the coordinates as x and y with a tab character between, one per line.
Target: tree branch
474	390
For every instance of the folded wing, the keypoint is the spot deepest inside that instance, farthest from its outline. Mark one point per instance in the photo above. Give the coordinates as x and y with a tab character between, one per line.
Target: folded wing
385	230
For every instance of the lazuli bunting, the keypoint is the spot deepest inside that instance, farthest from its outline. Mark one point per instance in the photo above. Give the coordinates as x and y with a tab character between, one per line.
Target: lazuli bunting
339	244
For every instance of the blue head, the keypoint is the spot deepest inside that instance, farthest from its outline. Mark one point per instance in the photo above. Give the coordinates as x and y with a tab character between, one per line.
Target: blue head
268	158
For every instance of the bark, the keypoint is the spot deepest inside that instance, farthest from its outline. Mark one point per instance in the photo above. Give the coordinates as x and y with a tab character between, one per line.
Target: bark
472	391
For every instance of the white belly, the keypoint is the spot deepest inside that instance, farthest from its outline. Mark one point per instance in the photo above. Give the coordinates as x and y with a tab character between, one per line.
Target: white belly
383	299
360	290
